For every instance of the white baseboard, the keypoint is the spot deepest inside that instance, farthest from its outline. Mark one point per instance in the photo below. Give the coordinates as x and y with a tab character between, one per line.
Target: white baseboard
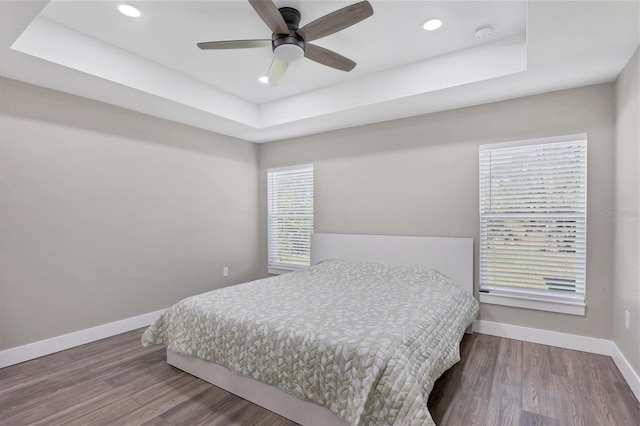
55	344
626	369
564	340
544	337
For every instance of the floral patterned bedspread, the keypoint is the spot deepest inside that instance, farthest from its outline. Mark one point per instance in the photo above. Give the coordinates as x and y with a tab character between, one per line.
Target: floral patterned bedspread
365	340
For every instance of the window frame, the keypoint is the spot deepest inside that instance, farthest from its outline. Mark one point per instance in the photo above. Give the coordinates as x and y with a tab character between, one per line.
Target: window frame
277	268
527	298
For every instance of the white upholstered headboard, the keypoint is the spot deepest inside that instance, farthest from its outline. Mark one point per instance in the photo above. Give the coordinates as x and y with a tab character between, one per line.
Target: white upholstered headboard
451	256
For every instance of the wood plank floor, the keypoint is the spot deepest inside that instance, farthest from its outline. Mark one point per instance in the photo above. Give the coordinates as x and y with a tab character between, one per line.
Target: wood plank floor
499	381
509	382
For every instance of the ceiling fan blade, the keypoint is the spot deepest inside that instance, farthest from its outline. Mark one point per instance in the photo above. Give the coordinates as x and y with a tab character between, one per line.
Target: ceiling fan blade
276	72
270	15
234	44
328	57
336	21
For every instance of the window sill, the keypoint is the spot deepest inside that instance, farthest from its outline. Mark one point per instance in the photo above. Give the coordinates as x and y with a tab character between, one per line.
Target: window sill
275	271
571	308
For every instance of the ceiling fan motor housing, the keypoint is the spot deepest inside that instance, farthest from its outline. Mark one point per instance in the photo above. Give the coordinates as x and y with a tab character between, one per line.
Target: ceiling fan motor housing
288	47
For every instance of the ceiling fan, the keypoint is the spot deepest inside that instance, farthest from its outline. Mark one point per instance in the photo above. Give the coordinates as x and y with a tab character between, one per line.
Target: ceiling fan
289	42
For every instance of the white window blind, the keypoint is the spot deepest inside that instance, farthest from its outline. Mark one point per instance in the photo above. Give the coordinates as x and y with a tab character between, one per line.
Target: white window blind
533	222
290	217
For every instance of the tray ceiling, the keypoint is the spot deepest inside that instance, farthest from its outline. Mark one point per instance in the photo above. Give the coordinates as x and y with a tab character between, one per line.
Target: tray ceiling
151	64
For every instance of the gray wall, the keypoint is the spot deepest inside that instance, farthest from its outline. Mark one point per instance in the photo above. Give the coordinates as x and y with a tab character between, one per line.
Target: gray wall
107	214
419	176
626	283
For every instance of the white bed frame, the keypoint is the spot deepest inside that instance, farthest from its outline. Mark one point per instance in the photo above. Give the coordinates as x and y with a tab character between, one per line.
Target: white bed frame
451	256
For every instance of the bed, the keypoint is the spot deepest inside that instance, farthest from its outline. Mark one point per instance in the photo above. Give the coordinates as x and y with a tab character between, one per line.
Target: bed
358	338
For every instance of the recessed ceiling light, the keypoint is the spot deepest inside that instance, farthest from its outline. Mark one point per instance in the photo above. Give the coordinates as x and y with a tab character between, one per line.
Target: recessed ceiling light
264	79
432	24
129	11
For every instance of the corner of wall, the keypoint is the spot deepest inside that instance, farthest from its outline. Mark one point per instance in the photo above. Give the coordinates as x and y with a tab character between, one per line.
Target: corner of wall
625	214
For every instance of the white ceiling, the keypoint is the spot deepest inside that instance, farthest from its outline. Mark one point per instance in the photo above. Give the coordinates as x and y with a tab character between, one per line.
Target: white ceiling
151	64
167	33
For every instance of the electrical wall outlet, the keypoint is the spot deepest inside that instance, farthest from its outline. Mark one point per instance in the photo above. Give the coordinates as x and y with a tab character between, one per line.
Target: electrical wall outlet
627	319
225	271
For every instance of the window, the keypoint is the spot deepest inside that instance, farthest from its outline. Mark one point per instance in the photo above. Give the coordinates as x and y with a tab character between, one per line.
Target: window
290	217
533	224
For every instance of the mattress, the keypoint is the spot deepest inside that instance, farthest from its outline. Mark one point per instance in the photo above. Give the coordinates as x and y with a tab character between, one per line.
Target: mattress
365	340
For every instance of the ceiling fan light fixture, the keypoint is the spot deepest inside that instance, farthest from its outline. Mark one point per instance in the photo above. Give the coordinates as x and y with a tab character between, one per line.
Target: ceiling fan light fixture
289	41
129	10
432	24
288	52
